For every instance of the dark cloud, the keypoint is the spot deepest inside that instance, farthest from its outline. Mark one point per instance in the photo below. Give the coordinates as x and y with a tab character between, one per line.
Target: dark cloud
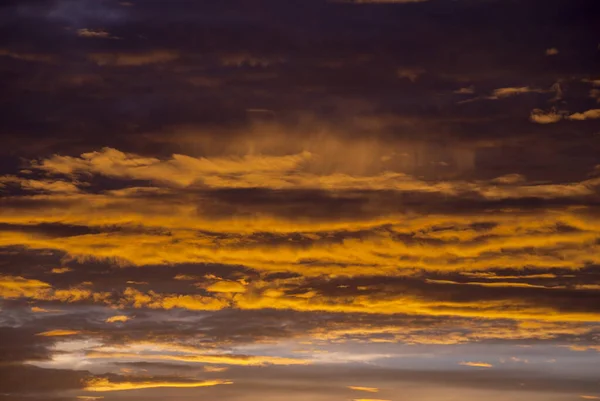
299	196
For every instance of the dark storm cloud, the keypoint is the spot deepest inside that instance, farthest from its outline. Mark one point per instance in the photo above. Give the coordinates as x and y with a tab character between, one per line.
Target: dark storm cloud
19	345
222	61
17	379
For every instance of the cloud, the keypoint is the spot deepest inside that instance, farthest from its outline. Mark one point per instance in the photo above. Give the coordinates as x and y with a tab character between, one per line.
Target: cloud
542	117
133	59
476	364
91	33
117	319
34	57
239	360
465	91
385	1
496	284
369	399
215	369
355	235
60	270
16	381
314	266
59	333
586	115
226	287
36	309
408	73
245	59
272	172
367	389
51	186
105	385
509	91
16	287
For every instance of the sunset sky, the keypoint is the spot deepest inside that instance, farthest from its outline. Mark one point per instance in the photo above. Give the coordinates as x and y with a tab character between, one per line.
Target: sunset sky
322	200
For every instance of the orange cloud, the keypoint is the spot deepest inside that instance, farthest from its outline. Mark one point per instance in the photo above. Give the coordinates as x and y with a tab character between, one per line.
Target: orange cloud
59	333
241	360
541	117
367	389
104	385
36	309
368	399
60	270
226	287
215	369
586	115
118	318
17	287
507	92
476	364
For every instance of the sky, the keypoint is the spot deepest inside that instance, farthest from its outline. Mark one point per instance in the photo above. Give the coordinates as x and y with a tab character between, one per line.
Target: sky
325	200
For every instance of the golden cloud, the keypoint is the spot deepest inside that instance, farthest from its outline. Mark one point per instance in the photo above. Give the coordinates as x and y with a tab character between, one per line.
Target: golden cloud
476	364
240	360
104	385
118	318
17	287
59	333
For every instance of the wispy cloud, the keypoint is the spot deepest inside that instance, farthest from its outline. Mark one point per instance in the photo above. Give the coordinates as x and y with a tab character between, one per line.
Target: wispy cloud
476	364
133	59
366	389
91	33
59	333
105	385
